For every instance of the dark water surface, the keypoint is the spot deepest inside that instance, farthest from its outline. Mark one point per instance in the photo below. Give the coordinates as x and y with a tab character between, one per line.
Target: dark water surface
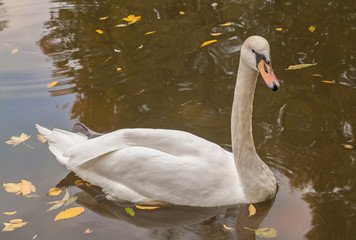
168	81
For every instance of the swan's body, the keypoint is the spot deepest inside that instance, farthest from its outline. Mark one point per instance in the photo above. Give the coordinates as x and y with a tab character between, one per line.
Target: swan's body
144	165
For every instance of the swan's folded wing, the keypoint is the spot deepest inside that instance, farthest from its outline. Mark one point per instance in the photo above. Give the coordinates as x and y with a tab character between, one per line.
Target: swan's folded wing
173	142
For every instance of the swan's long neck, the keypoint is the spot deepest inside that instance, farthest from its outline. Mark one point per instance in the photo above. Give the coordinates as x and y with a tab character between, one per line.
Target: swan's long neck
256	178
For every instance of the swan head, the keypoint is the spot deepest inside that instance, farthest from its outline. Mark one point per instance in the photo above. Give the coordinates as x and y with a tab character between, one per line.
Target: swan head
255	53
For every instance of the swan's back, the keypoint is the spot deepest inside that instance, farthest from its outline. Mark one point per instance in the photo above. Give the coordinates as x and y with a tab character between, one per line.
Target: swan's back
143	165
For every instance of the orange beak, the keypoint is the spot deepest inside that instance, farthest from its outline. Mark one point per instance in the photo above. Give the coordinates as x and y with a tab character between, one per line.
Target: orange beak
268	75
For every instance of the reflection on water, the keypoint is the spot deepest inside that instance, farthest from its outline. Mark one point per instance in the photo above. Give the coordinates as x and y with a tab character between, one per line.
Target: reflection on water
3	22
204	223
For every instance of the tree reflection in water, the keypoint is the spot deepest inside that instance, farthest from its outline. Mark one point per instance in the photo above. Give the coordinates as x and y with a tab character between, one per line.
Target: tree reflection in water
168	81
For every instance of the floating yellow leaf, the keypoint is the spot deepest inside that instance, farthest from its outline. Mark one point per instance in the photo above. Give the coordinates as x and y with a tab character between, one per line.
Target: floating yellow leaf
326	81
17	140
54	191
99	31
132	19
88	230
348	146
147	33
228	228
14	51
103	18
10	213
81	182
226	24
70	200
279	29
107	59
24	187
181	12
13	224
52	84
130	211
311	28
300	66
264	232
252	210
41	139
118	69
121	25
32	195
146	207
69	213
215	34
58	204
208	42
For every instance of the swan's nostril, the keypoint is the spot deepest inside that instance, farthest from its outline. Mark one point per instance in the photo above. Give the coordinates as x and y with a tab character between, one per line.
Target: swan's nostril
275	87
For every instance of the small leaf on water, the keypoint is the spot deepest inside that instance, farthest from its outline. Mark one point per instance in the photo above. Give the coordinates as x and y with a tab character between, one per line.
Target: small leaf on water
41	139
266	232
141	46
66	196
121	25
147	33
215	34
226	24
118	69
103	18
181	12
99	31
316	75
54	191
58	204
88	230
10	213
17	140
24	187
300	66
79	182
326	81
107	59
146	207
32	195
208	42
14	51
252	210
311	28
130	211
69	213
132	19
279	29
52	84
348	146
70	200
55	206
13	224
228	228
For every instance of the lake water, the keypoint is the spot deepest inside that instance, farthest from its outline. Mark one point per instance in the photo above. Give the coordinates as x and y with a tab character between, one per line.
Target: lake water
304	131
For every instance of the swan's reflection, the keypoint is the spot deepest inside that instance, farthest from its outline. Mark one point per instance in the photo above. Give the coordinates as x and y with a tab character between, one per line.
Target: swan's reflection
201	221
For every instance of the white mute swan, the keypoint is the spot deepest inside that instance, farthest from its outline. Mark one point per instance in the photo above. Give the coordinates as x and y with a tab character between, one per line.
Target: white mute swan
170	166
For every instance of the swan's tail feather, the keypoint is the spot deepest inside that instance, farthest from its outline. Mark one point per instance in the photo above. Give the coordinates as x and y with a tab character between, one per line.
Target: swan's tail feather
60	141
